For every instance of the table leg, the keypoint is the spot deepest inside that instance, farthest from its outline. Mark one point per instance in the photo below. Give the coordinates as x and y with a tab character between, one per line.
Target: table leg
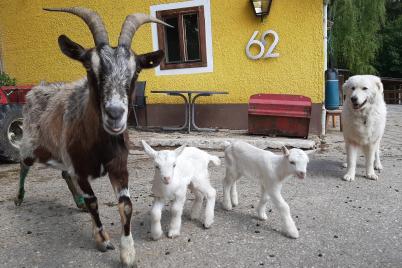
192	118
186	120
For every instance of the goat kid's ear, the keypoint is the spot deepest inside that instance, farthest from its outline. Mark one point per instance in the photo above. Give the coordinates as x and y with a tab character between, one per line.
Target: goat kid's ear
150	60
148	149
71	49
285	150
179	150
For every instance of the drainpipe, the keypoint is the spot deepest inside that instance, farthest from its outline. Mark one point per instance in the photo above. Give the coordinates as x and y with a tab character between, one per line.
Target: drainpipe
325	37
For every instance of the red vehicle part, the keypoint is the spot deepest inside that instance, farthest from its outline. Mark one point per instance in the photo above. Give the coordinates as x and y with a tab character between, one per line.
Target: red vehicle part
13	94
279	115
12	99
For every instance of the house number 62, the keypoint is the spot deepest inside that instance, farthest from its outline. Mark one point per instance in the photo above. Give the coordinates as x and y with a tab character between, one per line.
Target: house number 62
261	43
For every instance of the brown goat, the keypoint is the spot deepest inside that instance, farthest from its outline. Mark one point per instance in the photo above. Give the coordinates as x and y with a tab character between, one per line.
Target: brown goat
80	127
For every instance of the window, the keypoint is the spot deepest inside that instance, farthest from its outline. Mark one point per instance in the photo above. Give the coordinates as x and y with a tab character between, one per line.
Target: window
184	44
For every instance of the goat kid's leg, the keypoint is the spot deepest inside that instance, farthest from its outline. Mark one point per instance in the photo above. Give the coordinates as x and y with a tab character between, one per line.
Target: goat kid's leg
233	194
229	187
369	152
72	186
156	215
288	225
101	236
197	205
24	169
351	155
262	205
210	194
176	212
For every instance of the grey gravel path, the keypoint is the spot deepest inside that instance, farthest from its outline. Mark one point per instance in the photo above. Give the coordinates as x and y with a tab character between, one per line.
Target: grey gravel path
342	224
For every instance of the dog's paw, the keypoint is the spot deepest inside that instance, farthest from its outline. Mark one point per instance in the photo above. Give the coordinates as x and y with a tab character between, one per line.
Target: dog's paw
348	177
372	176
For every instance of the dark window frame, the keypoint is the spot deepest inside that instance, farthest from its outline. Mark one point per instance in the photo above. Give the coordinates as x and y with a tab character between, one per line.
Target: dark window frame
179	13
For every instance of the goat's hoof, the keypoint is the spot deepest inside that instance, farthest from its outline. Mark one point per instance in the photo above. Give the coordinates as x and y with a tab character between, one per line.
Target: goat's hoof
105	246
344	165
348	177
378	166
372	176
156	237
173	234
18	201
292	233
207	225
227	207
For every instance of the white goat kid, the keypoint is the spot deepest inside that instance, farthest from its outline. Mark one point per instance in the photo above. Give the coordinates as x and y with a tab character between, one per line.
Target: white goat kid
175	171
245	160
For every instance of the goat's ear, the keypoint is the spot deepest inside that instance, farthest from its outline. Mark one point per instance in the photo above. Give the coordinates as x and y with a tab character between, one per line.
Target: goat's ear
150	60
71	49
179	150
148	149
285	150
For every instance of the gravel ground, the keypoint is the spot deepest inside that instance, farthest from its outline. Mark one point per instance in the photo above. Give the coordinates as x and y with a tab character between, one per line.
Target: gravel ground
341	224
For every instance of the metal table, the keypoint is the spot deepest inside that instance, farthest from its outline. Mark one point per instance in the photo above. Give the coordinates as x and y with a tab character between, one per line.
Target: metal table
189	98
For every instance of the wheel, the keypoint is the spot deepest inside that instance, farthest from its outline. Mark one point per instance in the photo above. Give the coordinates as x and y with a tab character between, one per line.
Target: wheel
10	132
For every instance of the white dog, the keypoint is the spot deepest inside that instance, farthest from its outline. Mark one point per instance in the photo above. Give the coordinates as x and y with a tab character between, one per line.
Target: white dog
363	117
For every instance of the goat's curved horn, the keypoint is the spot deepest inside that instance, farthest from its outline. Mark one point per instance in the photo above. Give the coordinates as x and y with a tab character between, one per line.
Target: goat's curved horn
92	19
131	25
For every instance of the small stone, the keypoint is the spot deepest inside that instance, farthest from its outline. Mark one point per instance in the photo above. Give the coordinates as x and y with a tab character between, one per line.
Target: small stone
298	228
252	206
270	210
319	254
142	223
189	240
335	236
296	217
257	224
396	190
261	264
256	231
29	232
271	255
337	186
167	253
112	223
379	212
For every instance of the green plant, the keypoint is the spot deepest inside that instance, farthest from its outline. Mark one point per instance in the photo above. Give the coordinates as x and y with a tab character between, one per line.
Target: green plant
6	80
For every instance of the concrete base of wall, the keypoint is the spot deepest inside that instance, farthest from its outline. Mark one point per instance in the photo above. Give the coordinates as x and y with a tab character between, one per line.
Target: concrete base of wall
228	116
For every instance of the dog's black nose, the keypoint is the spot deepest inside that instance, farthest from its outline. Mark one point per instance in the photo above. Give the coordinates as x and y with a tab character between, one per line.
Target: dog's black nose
353	99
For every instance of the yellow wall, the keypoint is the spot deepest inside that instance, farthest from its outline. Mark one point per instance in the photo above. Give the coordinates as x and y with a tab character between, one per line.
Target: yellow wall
30	52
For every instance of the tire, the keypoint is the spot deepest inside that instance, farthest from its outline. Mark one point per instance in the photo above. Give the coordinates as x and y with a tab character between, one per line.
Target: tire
10	132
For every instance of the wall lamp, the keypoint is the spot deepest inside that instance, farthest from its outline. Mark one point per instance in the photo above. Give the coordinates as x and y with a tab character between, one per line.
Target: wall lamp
261	8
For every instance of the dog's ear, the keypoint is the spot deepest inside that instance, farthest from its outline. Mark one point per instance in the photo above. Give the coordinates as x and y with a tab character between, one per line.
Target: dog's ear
344	88
379	84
